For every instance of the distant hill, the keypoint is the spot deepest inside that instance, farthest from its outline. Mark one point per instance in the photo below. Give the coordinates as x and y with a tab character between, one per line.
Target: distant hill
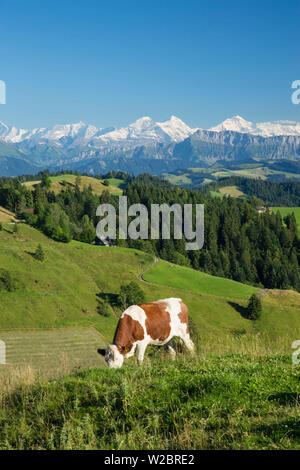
58	183
286	193
274	170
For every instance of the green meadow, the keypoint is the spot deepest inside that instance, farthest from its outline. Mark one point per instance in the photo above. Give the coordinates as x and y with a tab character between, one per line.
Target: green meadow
240	390
67	289
60	182
208	402
172	275
284	211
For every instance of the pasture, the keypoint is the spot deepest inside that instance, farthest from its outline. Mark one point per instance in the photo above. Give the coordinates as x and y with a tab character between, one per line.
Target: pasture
6	215
45	349
240	391
200	176
66	290
68	181
172	275
210	402
232	191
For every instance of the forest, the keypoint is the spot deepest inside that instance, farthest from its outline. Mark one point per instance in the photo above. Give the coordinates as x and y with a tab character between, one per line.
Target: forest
239	243
284	193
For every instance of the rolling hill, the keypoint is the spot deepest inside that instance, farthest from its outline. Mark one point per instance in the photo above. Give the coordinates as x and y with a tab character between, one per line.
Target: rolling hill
69	180
67	288
241	391
274	170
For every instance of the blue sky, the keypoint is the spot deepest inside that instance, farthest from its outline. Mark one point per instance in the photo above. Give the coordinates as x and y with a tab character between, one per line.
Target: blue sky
109	63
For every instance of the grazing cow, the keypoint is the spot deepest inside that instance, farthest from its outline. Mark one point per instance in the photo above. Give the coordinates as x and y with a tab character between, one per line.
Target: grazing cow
150	323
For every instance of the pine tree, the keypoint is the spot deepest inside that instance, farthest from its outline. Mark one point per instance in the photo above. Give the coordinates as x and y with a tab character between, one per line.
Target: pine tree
131	294
104	309
254	308
39	253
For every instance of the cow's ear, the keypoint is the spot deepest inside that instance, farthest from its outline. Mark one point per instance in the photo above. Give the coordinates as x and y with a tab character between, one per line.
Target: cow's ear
101	351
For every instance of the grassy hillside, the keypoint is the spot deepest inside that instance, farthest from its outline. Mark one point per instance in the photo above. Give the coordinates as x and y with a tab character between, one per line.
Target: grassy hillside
169	274
239	392
44	349
116	183
233	191
284	211
63	290
233	402
217	306
6	215
66	289
265	170
61	181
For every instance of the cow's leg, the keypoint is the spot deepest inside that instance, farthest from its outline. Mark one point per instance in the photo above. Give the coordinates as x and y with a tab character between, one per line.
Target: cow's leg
172	353
188	342
141	348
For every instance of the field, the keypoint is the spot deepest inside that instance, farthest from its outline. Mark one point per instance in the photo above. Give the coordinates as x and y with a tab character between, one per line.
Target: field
240	390
6	215
169	274
43	349
47	297
62	181
217	306
269	169
233	191
231	402
116	183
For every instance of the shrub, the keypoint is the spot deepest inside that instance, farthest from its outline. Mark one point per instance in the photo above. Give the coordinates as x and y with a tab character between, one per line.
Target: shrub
131	294
254	308
104	309
7	282
39	253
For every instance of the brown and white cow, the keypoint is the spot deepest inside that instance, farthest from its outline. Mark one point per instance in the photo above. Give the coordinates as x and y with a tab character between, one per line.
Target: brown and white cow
149	323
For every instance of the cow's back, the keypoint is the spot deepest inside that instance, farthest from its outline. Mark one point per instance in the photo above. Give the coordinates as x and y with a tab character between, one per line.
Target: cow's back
165	318
157	321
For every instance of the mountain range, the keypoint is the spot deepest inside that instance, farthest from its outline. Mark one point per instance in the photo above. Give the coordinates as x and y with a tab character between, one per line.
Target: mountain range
145	145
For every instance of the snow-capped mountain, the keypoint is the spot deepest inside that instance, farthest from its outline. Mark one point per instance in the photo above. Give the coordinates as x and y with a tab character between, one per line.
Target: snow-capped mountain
144	146
264	129
146	130
55	134
143	130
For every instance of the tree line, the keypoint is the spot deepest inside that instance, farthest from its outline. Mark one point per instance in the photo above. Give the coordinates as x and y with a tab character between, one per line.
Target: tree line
284	193
240	243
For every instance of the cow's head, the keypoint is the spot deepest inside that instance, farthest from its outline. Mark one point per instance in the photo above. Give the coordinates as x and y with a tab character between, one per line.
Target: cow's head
113	357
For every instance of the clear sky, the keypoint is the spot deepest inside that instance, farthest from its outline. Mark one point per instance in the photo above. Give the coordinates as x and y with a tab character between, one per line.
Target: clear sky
111	62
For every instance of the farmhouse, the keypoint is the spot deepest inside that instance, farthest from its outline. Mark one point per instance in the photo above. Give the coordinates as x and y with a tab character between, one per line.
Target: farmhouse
262	209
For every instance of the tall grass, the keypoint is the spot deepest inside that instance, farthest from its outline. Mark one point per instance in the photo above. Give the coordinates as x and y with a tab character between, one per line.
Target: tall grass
234	401
238	342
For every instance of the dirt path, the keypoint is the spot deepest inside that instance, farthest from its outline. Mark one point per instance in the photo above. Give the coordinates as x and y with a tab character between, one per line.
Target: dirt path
140	276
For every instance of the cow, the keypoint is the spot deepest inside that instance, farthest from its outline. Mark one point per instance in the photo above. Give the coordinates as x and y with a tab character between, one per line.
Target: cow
148	323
